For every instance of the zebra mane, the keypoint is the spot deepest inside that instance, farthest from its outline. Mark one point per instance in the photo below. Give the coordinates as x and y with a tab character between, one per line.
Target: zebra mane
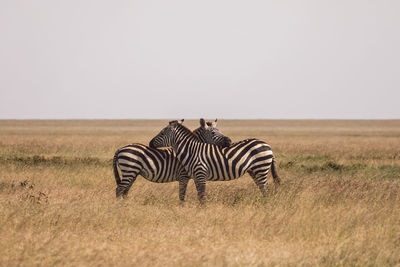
186	130
195	133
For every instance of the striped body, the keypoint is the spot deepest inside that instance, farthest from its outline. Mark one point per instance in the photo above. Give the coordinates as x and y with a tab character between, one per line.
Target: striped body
210	162
155	165
231	162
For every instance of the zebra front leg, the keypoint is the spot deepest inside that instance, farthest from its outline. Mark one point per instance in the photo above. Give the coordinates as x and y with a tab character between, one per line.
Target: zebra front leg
125	185
183	182
201	189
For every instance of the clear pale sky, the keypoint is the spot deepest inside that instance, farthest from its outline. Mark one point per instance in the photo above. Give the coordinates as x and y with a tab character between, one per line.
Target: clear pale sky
189	59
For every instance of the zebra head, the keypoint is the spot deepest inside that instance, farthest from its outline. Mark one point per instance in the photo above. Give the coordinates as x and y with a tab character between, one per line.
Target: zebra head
208	133
166	137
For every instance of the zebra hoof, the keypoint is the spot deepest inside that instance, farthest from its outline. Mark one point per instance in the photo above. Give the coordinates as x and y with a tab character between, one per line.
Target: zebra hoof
119	191
202	203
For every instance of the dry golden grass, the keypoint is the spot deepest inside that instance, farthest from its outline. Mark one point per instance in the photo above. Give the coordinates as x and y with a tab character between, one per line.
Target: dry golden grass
339	202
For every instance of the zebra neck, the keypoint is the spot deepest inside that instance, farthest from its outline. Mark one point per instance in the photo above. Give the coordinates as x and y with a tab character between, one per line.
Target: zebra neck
183	142
199	133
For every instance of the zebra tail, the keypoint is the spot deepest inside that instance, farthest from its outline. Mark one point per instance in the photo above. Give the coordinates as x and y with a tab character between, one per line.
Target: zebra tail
115	164
274	172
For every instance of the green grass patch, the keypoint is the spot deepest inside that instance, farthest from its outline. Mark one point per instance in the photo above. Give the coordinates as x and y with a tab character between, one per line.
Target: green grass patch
309	164
387	171
54	160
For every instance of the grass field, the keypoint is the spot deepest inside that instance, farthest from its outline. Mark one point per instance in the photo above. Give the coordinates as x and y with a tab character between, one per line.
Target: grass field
338	204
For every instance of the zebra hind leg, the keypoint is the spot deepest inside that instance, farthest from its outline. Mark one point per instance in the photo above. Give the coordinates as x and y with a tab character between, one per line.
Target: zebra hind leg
183	182
126	183
201	189
260	179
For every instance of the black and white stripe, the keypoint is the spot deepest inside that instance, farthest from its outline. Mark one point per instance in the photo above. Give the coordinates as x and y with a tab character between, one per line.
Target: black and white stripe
158	165
210	162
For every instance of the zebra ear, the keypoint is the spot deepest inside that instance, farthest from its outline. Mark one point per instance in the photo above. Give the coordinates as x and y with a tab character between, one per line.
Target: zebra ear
214	124
173	123
202	123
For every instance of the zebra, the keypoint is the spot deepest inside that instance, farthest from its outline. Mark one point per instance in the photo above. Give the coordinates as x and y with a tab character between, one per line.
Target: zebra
212	163
159	165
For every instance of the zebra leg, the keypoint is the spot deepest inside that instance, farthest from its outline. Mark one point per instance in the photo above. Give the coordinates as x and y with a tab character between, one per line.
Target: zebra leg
125	185
183	182
261	181
201	189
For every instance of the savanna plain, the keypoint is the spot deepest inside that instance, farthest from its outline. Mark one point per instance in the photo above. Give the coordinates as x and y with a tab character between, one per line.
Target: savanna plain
338	203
